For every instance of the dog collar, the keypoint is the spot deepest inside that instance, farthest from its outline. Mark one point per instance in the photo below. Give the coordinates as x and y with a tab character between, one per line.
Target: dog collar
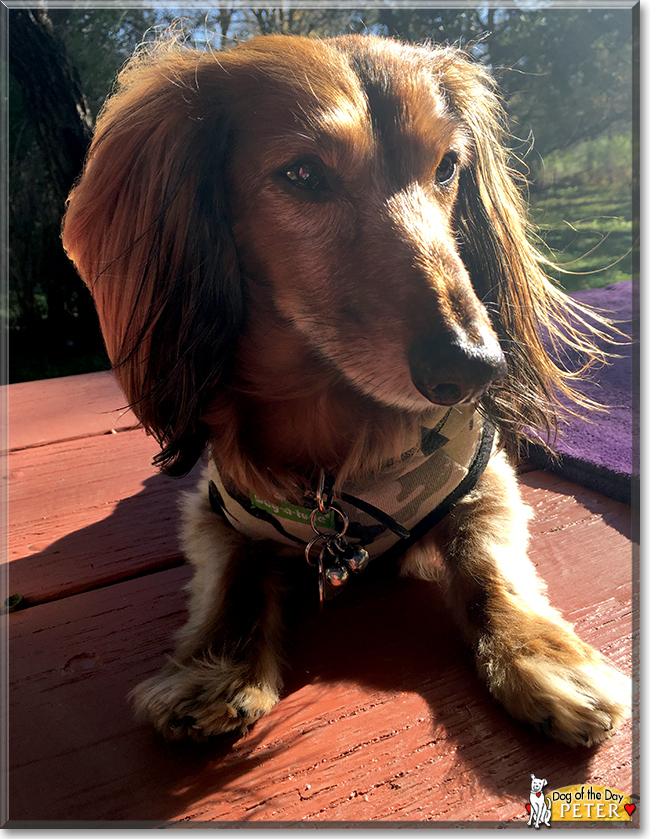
384	514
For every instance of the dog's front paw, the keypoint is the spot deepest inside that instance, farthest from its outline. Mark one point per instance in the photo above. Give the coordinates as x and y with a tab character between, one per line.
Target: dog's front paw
202	699
559	684
580	704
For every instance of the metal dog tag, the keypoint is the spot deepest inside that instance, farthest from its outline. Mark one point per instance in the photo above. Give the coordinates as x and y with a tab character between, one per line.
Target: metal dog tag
356	557
336	558
335	578
334	575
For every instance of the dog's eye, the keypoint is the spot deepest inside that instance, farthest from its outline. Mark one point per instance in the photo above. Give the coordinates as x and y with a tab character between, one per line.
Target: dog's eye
447	168
308	175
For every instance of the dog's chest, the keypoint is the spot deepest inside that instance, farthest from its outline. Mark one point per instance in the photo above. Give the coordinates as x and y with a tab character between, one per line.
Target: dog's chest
408	491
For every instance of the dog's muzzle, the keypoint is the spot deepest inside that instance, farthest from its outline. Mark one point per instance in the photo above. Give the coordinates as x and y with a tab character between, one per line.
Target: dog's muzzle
455	371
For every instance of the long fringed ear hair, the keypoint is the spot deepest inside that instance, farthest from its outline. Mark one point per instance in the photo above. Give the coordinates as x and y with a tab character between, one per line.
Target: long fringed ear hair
504	266
146	227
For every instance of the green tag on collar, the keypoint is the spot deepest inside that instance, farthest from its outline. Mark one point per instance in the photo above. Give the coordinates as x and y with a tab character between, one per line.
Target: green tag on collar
300	515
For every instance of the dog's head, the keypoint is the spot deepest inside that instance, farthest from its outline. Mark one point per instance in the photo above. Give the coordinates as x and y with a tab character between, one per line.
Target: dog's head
537	784
346	202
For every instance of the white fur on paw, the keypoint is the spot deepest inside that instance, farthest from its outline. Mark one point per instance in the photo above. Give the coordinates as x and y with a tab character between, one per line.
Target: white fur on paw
201	699
578	704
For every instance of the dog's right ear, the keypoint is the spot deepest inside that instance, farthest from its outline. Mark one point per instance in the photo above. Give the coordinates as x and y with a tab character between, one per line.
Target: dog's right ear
147	229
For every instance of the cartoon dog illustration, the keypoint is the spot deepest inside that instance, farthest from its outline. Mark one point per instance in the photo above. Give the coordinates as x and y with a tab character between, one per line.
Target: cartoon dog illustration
540	807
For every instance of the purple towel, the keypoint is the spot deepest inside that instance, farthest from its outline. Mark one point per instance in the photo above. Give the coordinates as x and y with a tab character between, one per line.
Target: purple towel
601	451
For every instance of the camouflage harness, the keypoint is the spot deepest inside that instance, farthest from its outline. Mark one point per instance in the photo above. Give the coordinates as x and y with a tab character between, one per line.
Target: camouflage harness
381	515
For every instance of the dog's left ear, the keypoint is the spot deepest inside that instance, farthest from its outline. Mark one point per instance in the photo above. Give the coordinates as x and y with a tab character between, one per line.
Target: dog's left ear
147	228
505	267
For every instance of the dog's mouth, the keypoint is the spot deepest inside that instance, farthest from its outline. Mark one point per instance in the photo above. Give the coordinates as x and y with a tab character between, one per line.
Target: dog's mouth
451	393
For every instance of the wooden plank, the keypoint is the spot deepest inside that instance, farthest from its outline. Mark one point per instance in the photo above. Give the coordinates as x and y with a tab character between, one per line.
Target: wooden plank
578	529
66	408
382	717
88	512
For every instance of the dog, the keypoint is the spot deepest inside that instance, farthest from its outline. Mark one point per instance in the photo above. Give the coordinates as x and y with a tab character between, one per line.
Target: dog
309	259
540	807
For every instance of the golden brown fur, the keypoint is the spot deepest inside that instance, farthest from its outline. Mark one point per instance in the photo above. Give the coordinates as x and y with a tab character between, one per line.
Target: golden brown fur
295	247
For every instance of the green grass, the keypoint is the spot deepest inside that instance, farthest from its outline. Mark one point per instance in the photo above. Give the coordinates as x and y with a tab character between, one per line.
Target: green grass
586	230
583	213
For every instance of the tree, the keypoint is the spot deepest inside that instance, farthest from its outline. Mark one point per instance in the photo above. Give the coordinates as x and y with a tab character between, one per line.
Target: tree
50	126
573	76
99	41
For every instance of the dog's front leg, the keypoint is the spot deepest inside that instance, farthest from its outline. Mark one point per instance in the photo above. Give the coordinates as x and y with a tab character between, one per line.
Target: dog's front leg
225	671
531	659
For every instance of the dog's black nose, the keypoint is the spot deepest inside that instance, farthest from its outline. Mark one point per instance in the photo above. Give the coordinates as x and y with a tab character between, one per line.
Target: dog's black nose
453	370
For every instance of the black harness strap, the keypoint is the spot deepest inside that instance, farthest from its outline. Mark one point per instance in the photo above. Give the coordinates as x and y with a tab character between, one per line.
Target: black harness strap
476	469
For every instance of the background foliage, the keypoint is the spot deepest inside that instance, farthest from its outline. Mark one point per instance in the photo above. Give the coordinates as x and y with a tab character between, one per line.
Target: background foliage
565	75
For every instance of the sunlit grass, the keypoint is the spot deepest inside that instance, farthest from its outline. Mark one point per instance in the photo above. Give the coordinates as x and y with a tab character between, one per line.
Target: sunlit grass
586	230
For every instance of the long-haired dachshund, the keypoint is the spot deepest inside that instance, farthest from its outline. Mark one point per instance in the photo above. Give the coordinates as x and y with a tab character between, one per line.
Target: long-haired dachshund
310	258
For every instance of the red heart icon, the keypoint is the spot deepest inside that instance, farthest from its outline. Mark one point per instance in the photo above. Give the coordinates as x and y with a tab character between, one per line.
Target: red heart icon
538	794
528	807
630	808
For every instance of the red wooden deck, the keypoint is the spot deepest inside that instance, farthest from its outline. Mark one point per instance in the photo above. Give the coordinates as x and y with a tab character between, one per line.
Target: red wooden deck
382	721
